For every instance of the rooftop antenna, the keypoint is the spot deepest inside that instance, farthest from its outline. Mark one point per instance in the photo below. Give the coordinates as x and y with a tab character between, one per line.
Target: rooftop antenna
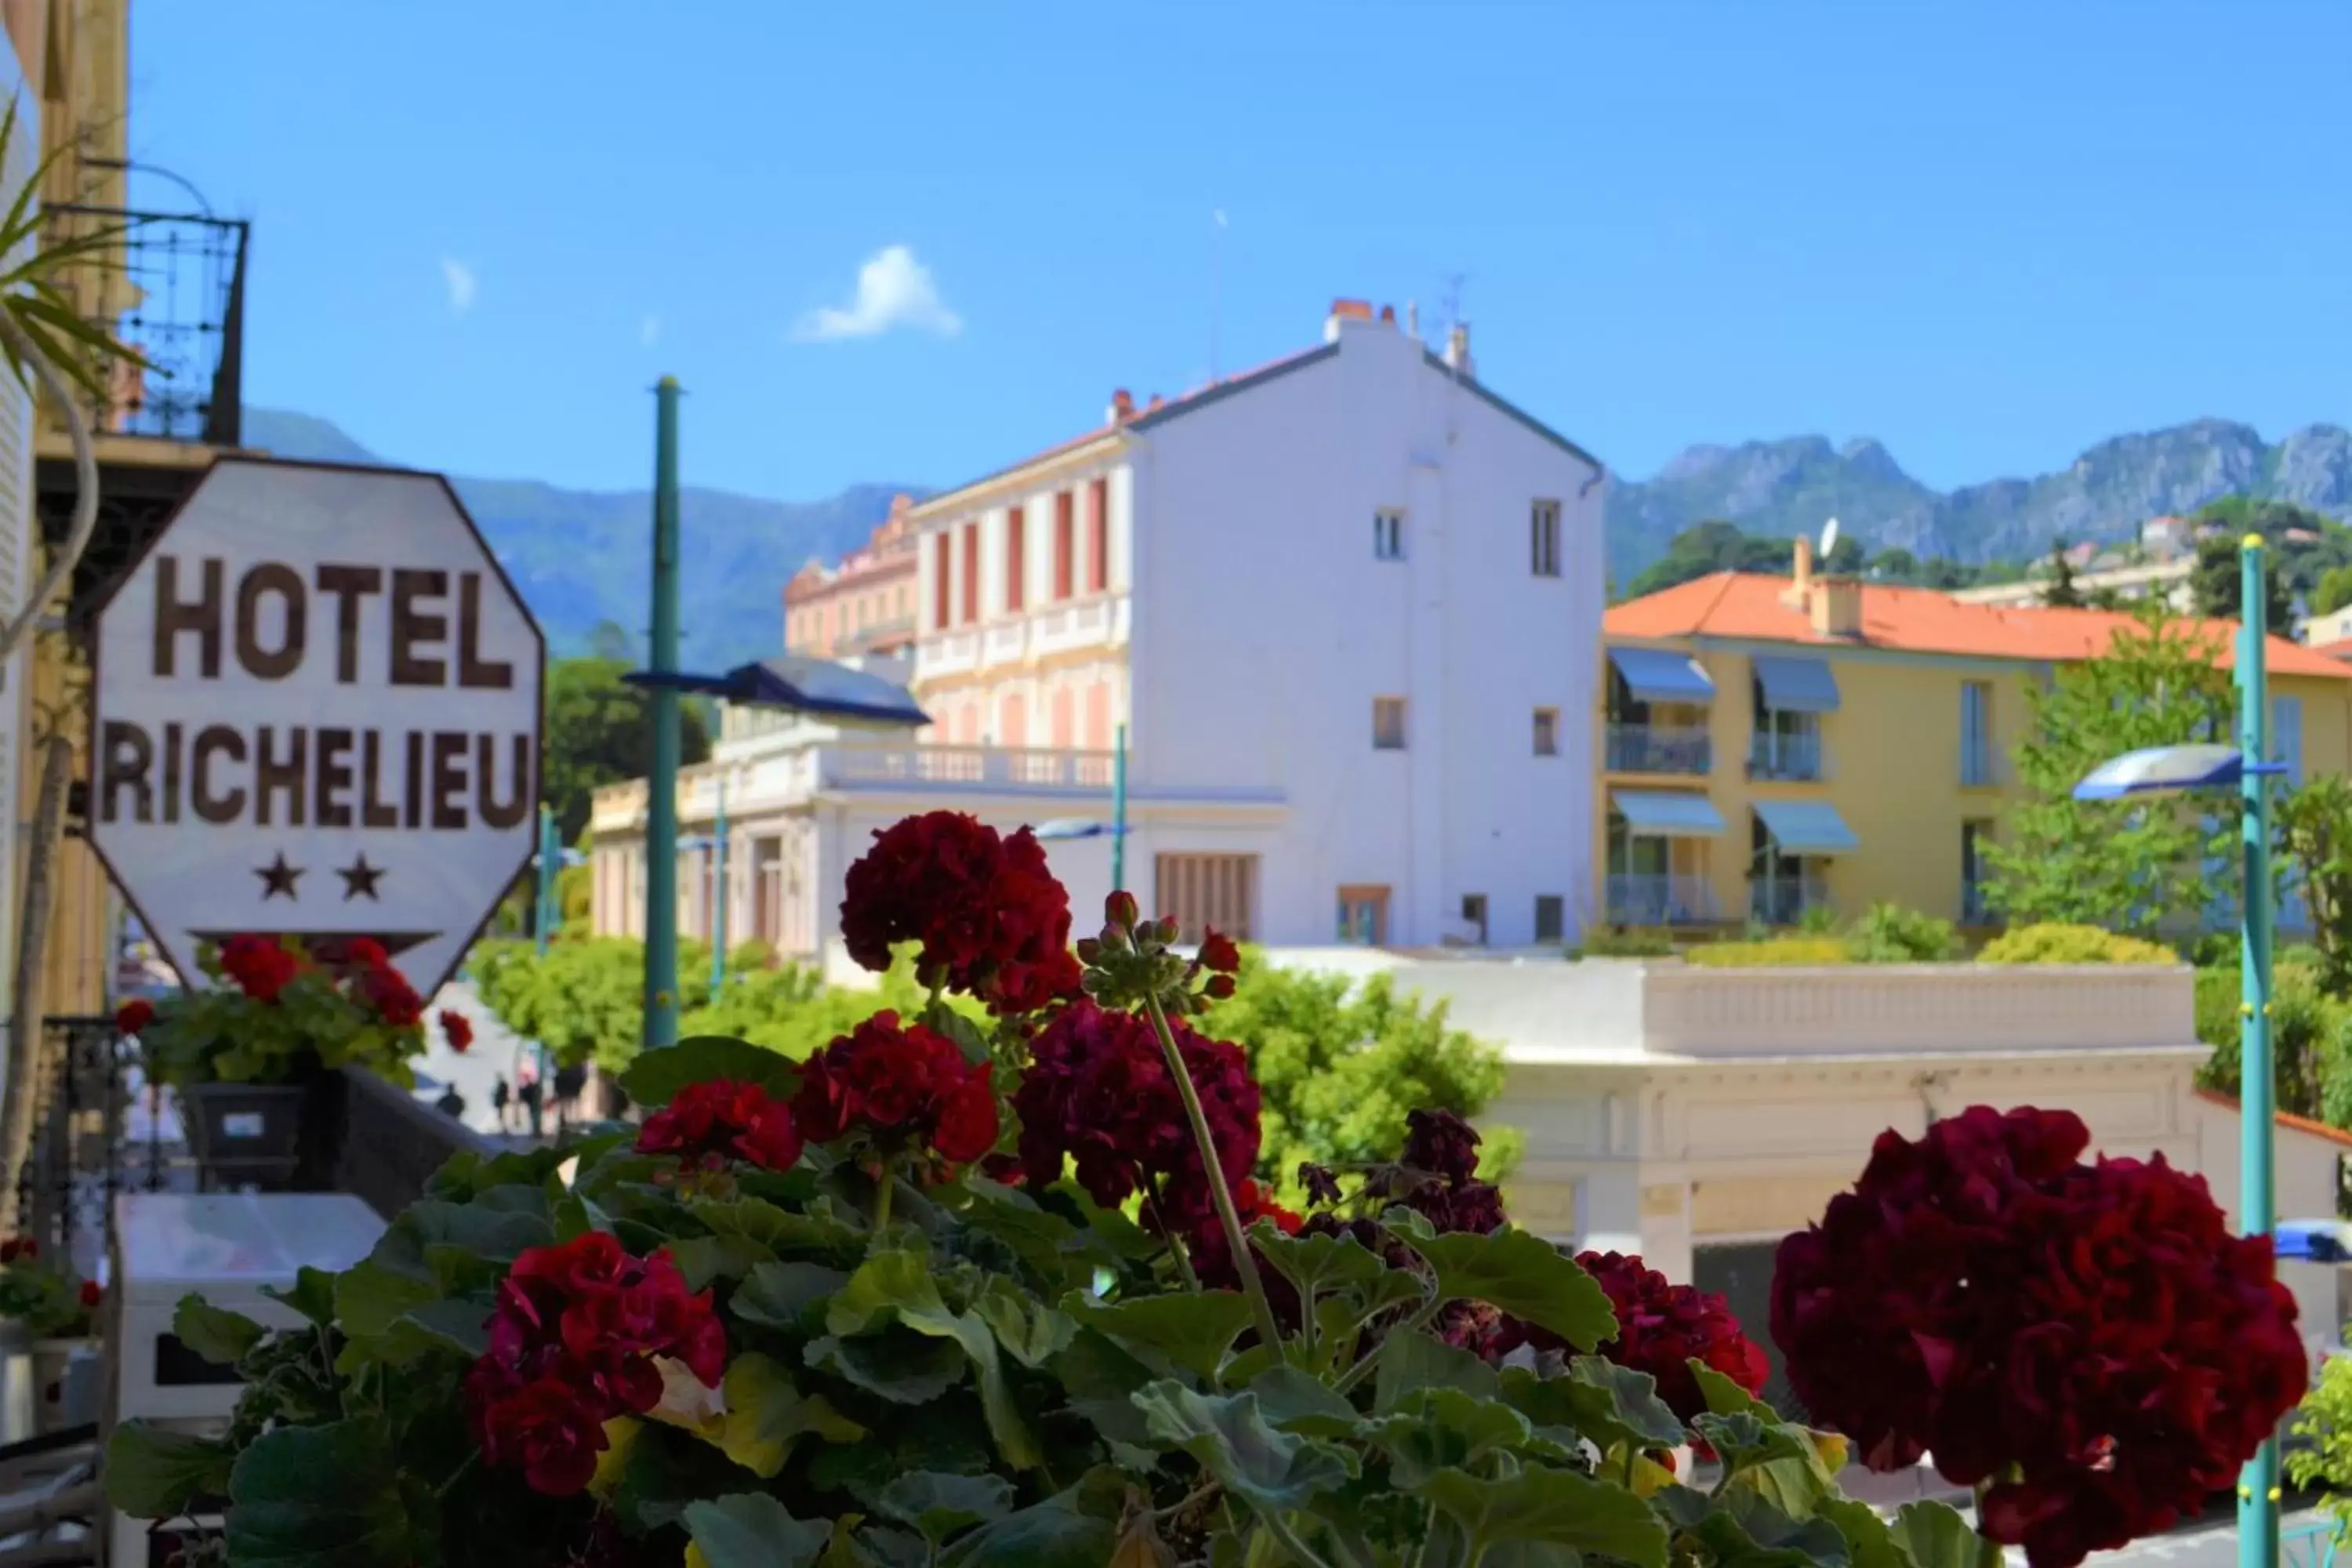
1449	308
1829	541
1216	280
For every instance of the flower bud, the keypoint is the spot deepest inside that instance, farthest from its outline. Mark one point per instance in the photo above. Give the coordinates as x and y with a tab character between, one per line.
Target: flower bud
1089	950
1120	911
1220	986
1169	928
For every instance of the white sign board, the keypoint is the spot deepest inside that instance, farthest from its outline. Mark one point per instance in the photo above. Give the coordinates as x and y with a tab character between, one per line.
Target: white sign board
318	715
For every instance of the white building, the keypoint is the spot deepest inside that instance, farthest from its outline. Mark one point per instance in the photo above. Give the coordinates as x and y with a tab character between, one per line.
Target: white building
1347	608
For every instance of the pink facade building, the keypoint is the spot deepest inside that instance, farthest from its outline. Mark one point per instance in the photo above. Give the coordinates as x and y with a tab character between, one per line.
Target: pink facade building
865	604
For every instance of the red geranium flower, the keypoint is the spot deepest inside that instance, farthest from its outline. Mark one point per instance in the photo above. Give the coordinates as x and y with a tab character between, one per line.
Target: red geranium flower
990	916
1218	953
1662	1328
2092	1334
262	966
723	1120
134	1015
387	991
573	1340
92	1293
1097	1096
457	1029
902	1087
365	952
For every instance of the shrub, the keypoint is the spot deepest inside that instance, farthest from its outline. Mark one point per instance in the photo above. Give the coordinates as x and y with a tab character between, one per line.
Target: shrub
583	999
1818	920
790	1010
1890	933
1339	1061
2055	941
1773	952
2310	1039
1626	941
2325	1463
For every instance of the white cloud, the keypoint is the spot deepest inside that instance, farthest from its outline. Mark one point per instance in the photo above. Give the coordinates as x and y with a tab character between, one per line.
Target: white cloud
460	280
894	290
649	331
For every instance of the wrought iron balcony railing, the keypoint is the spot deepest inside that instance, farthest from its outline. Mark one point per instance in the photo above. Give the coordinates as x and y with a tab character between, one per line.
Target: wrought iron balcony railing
175	292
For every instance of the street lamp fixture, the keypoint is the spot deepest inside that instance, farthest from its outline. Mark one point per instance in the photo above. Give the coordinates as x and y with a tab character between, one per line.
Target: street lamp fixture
2177	770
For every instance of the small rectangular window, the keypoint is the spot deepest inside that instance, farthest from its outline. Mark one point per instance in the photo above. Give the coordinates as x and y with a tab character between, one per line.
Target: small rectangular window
971	573
1543	538
1388	536
1551	916
1474	915
942	579
1388	723
1065	544
1016	559
1547	731
1098	537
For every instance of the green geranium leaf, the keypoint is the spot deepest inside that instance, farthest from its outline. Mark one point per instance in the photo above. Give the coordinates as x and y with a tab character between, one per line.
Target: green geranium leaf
1869	1541
1099	1378
892	1282
1726	1397
326	1497
370	1298
1006	1424
1066	1530
1410	1362
822	1226
1743	1442
459	1325
956	1027
1047	1243
767	1413
313	1295
1437	1428
151	1473
1746	1531
900	1366
1031	1332
1936	1535
1317	1263
654	1077
220	1337
1597	1399
780	1294
1555	1508
1297	1402
752	1529
940	1505
1273	1472
575	1216
704	1258
1520	1274
1187	1331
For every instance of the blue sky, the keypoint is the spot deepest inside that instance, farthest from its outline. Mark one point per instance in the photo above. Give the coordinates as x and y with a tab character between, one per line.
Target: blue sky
1988	234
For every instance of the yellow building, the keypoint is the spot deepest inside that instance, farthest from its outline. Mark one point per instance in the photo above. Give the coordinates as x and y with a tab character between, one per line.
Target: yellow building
1772	745
181	279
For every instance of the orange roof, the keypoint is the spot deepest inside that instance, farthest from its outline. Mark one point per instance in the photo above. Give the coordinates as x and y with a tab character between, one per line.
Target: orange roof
2285	1118
1747	605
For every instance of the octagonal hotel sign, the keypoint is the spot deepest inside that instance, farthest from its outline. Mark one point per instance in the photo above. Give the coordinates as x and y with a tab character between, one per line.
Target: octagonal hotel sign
316	715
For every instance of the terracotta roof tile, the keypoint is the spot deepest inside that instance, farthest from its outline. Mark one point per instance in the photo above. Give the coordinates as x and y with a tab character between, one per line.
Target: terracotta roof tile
2286	1119
1748	607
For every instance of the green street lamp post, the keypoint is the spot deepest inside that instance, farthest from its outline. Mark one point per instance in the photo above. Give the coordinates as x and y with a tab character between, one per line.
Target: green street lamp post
661	784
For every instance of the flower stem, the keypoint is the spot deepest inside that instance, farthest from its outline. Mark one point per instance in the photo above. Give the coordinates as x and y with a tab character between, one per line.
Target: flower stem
1245	1263
882	1189
1989	1551
1168	1234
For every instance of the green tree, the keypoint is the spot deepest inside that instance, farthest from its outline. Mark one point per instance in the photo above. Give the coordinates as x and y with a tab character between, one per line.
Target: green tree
2140	866
2060	593
2304	546
1339	1061
600	731
2333	591
2315	837
1844	560
1896	565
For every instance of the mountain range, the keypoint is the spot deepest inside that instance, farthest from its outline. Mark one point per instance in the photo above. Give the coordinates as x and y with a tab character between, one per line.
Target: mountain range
579	556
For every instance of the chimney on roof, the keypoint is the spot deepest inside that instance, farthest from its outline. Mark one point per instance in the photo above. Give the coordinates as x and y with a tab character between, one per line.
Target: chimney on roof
1345	310
1799	591
1122	407
1836	607
1458	351
1388	315
899	503
1413	319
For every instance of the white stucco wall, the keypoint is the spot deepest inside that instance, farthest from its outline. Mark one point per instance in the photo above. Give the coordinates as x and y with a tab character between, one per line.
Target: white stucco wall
1265	626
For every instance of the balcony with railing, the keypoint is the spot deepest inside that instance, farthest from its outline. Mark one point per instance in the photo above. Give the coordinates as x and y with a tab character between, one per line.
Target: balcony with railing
1784	900
1684	749
1797	757
175	292
1658	898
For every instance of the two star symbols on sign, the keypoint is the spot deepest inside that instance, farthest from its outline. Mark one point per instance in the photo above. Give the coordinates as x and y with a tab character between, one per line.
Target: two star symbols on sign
278	878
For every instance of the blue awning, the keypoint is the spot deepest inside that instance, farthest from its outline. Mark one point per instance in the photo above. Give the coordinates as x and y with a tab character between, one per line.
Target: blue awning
1797	685
1807	826
1662	675
1657	814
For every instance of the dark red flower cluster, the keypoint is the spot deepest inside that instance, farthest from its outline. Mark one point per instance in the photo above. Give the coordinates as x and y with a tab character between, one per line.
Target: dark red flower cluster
708	1124
1098	1094
1213	1260
1662	1328
457	1029
1437	1176
92	1294
134	1015
386	990
262	966
573	1344
2091	1333
990	916
904	1088
19	1248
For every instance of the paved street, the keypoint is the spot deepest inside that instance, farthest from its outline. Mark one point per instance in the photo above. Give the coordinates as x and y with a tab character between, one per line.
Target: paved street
495	1053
